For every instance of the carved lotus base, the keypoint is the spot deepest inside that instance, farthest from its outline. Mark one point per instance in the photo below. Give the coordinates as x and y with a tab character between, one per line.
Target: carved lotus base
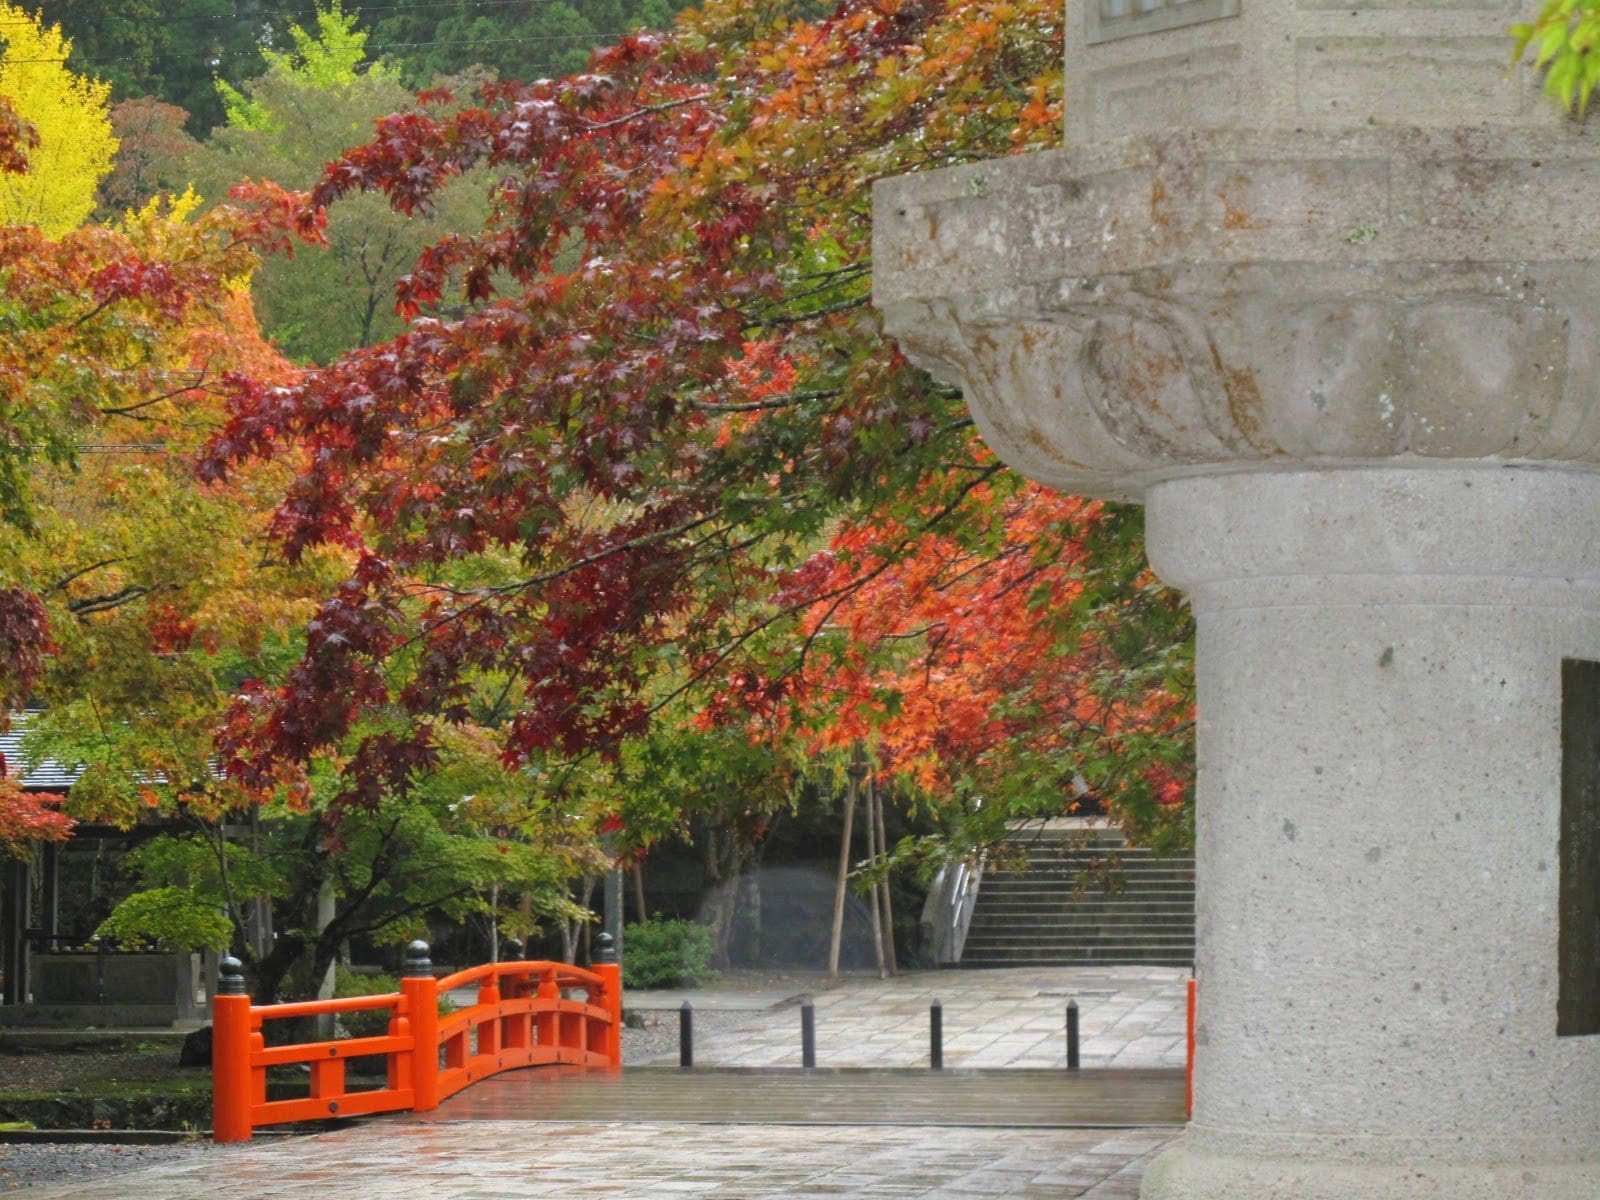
1222	301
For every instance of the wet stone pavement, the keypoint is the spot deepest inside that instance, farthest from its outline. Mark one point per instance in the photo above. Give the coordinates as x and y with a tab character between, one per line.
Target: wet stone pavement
496	1160
702	1144
1128	1017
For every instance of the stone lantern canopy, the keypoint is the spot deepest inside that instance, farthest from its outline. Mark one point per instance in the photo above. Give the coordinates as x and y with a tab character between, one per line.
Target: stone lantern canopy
1319	284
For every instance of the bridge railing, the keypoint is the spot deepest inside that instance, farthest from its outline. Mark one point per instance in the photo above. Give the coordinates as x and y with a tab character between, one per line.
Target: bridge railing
525	1014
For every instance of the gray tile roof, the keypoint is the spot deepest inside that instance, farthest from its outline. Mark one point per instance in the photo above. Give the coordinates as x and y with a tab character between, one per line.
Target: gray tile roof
47	776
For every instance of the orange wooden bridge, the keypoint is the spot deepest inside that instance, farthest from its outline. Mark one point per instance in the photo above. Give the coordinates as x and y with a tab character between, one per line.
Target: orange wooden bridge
526	1014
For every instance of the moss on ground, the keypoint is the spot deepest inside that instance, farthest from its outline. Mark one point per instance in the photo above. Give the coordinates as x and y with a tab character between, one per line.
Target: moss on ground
129	1085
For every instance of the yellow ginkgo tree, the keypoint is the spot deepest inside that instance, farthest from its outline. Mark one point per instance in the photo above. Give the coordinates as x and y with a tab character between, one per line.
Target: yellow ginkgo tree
71	116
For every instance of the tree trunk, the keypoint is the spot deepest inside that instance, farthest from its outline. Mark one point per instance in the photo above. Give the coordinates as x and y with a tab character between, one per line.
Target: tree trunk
638	892
844	876
575	934
327	901
724	855
494	922
569	949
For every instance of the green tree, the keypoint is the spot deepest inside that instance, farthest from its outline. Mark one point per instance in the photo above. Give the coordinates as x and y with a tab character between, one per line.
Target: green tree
514	40
311	104
174	50
71	116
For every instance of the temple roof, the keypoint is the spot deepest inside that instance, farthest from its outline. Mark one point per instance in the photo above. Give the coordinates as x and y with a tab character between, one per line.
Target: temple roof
46	776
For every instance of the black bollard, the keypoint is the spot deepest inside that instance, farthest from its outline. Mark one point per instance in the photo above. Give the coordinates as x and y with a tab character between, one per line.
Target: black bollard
686	1036
1072	1035
808	1033
936	1036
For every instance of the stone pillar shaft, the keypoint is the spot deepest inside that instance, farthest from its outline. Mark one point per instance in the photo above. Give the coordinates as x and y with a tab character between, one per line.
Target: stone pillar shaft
1380	671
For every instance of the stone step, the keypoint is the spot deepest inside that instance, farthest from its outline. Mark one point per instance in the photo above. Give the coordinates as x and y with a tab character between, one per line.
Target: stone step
1058	877
1045	886
1041	908
1058	864
1096	956
1070	871
1125	853
1084	908
1090	929
1042	887
1074	862
1048	939
1091	933
1141	906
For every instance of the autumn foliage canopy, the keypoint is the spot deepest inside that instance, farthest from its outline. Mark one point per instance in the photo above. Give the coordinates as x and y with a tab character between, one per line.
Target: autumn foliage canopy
642	446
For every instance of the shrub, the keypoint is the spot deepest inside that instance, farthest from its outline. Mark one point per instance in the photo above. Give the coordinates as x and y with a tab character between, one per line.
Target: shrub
373	1022
172	918
662	953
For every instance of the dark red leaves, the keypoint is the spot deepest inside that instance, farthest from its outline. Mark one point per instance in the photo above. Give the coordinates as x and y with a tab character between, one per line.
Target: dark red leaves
275	219
17	137
153	282
545	461
24	645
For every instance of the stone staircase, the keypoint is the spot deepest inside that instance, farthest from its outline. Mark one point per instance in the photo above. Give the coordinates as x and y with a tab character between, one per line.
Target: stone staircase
1036	916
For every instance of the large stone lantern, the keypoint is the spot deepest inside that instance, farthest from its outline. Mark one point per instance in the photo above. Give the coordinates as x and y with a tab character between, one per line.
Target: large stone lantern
1319	283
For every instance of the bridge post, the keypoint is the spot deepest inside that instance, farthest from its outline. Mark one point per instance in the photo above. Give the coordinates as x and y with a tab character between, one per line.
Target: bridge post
230	1055
610	971
421	991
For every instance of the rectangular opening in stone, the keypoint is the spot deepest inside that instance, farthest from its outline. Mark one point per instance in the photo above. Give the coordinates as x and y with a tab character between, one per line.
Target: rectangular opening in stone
1578	1008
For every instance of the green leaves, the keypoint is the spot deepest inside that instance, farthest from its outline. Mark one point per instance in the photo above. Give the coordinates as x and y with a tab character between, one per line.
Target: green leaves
1564	39
172	918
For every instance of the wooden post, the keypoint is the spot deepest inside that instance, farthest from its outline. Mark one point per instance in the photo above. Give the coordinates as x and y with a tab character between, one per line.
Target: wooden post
230	1055
1188	1072
547	1022
844	875
490	1038
872	865
421	991
888	904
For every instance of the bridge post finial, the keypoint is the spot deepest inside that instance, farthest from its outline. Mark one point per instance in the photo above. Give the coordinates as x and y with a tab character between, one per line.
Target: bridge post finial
230	977
418	960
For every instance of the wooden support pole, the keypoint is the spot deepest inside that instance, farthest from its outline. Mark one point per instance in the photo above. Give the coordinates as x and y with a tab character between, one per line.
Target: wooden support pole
872	865
888	905
844	875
